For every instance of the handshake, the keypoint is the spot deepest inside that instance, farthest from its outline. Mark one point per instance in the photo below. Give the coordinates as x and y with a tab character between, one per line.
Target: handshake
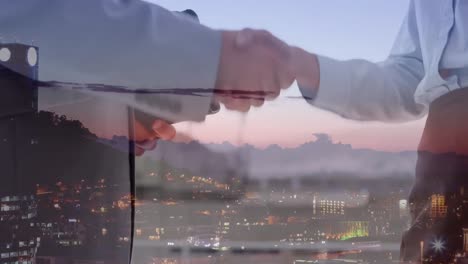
254	67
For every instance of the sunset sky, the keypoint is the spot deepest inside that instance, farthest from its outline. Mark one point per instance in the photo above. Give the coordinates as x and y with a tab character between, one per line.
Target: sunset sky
336	28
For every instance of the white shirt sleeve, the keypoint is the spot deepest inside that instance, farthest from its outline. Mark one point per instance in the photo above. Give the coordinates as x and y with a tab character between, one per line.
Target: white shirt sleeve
128	43
362	90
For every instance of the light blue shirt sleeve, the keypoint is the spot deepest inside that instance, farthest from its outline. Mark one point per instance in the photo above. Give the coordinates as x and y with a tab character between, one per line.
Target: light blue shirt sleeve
128	43
363	90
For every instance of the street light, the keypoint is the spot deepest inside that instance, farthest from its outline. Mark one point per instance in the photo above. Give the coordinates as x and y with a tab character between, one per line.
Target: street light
438	245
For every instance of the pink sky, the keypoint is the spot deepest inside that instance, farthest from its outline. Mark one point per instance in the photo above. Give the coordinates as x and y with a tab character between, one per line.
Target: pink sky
274	124
359	29
340	29
286	122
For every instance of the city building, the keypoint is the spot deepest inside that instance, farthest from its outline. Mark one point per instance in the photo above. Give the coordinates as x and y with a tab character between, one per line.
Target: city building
19	236
331	207
438	206
403	208
18	205
465	240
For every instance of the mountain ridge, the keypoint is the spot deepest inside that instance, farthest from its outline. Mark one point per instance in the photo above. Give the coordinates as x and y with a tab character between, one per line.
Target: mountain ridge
311	158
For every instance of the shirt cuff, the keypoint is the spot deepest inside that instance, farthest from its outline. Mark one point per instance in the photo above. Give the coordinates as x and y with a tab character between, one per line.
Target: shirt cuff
334	89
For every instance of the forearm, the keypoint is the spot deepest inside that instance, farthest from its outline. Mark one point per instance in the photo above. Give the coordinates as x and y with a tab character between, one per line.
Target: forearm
131	43
362	90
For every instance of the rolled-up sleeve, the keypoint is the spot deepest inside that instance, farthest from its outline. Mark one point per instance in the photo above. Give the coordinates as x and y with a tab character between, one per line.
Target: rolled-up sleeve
334	86
127	43
363	90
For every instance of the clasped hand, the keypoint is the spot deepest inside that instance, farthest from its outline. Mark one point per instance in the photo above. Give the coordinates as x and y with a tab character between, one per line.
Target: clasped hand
254	66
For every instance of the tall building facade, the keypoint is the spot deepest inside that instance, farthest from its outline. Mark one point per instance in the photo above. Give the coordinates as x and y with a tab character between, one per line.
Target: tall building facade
332	207
438	206
465	240
19	238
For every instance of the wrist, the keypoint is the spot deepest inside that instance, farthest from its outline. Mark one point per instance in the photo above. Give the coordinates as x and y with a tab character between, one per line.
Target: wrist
307	69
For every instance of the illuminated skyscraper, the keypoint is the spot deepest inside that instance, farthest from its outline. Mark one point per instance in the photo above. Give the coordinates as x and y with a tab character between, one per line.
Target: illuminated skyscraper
403	208
331	207
18	207
438	206
19	237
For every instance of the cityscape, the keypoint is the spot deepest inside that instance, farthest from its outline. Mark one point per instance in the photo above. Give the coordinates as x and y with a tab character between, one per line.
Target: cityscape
70	197
269	219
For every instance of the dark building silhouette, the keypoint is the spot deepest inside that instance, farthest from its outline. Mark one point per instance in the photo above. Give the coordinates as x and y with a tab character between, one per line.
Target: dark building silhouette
440	201
19	237
62	187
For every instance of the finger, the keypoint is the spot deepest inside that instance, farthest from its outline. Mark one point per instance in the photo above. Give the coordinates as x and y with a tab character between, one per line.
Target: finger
142	133
224	99
274	89
286	77
281	76
147	145
139	151
257	102
268	84
164	130
272	95
239	105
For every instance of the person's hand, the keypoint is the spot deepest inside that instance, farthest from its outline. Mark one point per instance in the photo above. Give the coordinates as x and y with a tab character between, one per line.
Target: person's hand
306	68
146	139
254	67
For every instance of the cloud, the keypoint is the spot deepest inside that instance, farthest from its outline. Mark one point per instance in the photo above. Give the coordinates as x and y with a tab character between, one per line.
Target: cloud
312	159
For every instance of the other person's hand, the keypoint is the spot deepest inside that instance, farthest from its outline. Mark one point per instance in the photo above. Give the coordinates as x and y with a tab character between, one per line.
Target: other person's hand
146	139
254	67
306	69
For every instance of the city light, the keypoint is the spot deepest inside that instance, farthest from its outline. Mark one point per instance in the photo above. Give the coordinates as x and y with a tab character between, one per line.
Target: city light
32	57
5	54
438	245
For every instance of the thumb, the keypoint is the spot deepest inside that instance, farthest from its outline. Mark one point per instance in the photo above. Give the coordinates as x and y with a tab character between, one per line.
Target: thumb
305	67
164	130
244	38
